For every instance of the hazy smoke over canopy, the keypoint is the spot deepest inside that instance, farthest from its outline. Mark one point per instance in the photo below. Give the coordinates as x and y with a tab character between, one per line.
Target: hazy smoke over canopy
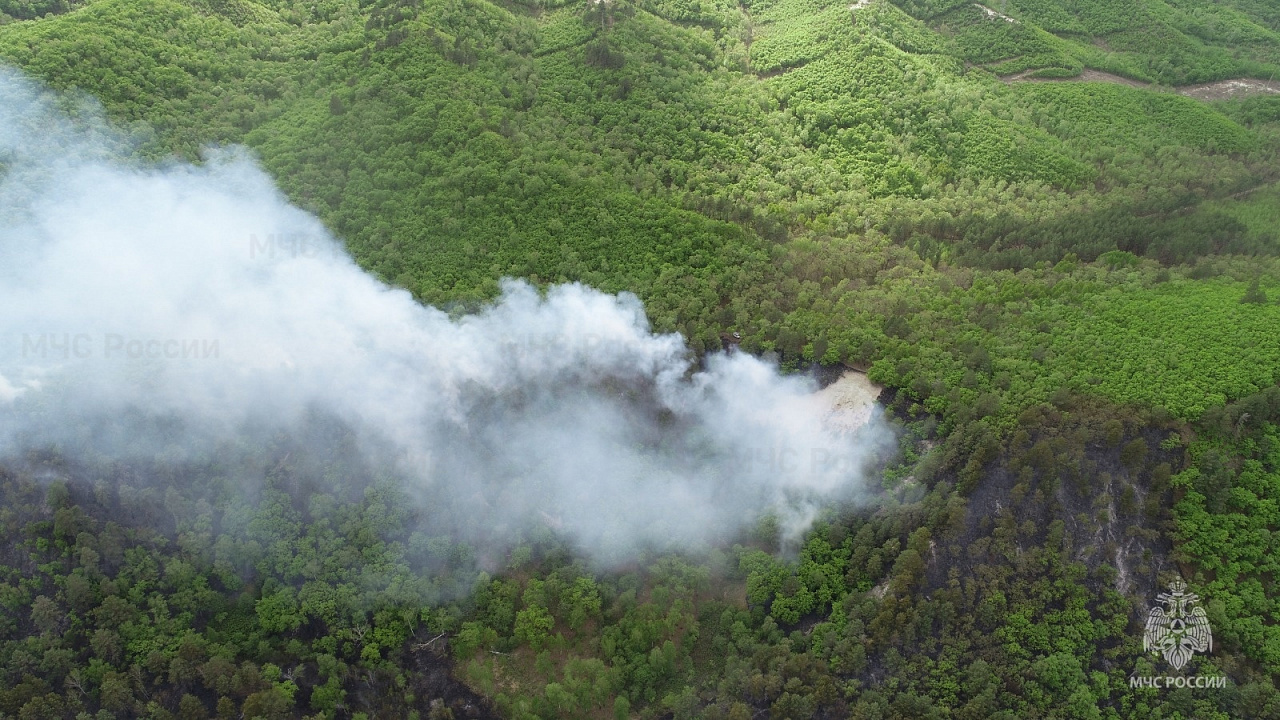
200	293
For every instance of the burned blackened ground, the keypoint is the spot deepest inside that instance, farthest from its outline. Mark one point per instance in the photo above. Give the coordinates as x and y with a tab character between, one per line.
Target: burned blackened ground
1003	546
1094	479
430	680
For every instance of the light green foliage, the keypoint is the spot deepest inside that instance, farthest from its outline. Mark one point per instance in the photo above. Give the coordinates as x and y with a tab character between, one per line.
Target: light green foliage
793	33
278	612
765	576
1183	346
422	135
582	600
1259	211
1047	277
1225	516
982	38
1115	115
533	626
1177	42
561	30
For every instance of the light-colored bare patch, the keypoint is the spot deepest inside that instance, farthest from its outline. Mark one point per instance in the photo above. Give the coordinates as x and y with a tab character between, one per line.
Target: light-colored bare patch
1231	89
849	401
994	15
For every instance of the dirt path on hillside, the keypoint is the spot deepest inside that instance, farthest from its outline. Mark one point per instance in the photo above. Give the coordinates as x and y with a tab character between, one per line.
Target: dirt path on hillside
1086	76
1220	90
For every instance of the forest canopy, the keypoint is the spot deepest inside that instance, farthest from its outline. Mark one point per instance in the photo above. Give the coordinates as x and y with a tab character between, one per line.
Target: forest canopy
1058	262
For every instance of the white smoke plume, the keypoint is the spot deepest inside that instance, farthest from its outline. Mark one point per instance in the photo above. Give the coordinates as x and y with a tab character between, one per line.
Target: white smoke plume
199	293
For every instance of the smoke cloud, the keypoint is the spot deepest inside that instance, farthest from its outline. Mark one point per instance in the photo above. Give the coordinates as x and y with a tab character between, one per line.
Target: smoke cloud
199	295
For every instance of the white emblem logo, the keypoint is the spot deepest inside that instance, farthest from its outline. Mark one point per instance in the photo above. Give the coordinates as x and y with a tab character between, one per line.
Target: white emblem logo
1178	629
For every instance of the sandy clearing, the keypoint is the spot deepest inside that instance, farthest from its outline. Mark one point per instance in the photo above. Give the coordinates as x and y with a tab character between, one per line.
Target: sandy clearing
848	403
1231	89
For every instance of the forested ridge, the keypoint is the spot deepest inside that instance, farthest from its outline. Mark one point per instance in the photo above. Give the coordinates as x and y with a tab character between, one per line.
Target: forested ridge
1068	290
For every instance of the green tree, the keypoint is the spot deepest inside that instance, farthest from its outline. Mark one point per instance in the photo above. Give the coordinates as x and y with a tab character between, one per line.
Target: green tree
533	626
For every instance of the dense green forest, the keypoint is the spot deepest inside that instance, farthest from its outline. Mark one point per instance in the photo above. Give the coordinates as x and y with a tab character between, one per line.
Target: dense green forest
1068	289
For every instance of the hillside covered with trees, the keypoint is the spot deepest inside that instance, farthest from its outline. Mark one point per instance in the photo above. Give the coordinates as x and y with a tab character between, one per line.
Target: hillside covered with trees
1067	287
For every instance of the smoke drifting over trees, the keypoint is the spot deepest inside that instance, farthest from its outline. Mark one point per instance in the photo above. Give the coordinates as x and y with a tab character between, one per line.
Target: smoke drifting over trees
172	309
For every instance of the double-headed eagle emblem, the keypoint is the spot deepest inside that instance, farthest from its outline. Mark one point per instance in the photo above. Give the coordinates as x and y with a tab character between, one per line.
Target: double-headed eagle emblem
1178	629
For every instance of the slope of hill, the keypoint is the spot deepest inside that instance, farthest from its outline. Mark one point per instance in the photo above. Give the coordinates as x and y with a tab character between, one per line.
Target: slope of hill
1067	287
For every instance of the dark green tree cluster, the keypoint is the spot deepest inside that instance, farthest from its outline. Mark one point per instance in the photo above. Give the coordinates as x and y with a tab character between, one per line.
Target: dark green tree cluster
1067	289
